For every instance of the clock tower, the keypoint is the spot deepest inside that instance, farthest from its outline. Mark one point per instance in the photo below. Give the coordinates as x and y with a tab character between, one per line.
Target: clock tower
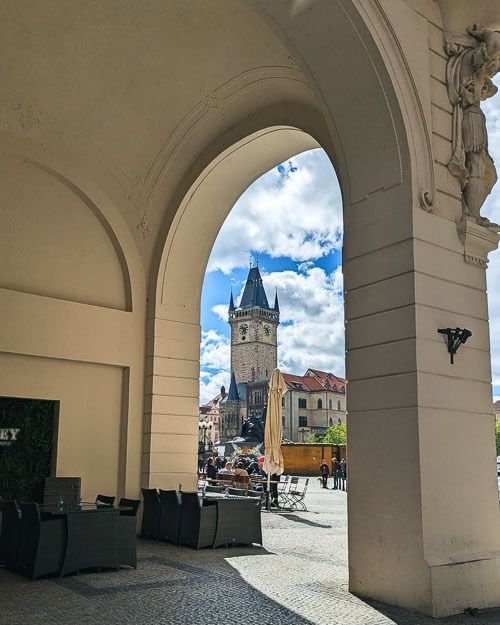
254	325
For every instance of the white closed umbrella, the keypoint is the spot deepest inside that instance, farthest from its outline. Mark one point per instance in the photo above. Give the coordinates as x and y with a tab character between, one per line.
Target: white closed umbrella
273	433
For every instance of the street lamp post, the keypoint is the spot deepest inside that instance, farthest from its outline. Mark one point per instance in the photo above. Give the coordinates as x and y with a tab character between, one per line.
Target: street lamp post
205	430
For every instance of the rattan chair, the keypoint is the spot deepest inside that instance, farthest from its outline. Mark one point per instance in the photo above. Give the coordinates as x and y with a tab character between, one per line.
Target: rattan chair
213	489
151	513
133	504
91	540
104	500
41	543
198	523
9	533
65	488
127	533
238	522
170	516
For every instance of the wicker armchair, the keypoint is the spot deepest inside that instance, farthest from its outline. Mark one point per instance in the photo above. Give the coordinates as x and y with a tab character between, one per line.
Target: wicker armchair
9	534
238	522
133	504
151	513
170	516
41	543
67	488
104	500
91	541
198	523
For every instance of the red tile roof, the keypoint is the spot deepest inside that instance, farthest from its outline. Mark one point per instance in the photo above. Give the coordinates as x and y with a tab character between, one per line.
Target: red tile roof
319	381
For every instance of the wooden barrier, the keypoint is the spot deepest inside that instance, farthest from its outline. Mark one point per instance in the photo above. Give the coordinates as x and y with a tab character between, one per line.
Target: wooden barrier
305	458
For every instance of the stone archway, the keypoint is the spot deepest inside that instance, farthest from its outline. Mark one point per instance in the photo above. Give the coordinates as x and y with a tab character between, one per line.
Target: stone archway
404	278
157	99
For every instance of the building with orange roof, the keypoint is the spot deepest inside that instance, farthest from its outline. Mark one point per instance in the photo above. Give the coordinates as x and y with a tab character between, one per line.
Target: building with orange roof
314	402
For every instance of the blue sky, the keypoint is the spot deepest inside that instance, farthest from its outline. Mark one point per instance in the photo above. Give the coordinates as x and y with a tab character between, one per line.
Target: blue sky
290	219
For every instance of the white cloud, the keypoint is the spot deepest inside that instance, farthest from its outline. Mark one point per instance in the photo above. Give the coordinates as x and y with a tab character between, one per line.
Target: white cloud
215	351
294	211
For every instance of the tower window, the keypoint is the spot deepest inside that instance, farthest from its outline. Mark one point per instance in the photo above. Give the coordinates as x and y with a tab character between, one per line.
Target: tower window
320	404
302	403
330	404
339	405
302	422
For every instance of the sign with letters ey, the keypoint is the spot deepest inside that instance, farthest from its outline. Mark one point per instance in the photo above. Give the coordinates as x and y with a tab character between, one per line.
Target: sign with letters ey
8	436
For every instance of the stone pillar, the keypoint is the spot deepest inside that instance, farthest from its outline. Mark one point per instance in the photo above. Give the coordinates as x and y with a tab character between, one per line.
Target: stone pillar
424	515
171	417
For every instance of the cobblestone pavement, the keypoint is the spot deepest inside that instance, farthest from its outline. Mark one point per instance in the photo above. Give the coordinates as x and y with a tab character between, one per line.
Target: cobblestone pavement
299	577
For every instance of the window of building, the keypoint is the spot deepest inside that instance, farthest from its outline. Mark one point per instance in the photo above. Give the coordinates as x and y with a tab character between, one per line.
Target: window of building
331	421
302	403
302	421
330	404
283	402
339	405
320	403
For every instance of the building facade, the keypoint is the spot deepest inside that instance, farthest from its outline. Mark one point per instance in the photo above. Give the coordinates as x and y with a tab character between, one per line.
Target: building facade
313	403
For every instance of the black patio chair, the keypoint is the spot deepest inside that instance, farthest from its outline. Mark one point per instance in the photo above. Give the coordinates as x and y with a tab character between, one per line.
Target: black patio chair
41	543
151	513
9	534
92	539
133	504
240	492
170	516
198	523
65	488
209	488
238	522
104	500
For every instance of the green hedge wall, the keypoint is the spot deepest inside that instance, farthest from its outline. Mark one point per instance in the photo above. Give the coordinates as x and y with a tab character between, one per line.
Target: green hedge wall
26	462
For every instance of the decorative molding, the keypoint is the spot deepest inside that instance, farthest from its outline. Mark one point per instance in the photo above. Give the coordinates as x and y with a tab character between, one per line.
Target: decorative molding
478	241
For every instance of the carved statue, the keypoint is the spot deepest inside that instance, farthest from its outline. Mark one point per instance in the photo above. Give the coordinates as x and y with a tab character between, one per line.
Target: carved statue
253	428
469	72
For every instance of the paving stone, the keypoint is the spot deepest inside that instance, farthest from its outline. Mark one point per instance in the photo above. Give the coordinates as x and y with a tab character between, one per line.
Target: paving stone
299	577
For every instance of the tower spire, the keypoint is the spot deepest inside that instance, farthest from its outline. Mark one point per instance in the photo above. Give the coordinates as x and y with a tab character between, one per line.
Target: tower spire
276	303
231	301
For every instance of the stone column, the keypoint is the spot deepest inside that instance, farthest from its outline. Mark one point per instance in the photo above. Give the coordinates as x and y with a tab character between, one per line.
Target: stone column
423	503
171	404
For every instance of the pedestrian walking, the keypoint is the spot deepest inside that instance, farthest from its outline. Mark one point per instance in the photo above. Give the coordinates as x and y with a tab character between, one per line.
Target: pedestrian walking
324	473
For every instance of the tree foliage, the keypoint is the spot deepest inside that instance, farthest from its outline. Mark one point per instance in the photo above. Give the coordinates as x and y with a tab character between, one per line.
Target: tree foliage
334	435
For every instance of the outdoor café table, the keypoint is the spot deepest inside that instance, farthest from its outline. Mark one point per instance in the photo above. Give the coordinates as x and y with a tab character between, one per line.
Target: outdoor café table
92	536
238	519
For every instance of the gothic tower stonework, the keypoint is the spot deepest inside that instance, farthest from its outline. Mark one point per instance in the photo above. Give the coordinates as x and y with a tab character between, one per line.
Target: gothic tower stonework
254	325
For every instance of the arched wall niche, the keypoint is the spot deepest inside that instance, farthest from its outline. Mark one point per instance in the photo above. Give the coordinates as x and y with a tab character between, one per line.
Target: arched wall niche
56	241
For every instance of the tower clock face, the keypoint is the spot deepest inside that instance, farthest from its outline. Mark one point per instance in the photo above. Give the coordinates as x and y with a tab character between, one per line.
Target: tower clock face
243	330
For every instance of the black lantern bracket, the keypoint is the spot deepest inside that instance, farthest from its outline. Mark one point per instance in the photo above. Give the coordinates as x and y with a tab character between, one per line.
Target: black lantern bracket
455	337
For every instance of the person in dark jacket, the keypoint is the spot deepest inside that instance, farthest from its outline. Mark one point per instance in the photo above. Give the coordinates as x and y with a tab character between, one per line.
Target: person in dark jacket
210	469
324	473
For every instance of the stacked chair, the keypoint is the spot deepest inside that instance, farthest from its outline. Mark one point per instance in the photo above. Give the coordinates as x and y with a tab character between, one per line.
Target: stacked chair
127	533
151	513
170	516
198	523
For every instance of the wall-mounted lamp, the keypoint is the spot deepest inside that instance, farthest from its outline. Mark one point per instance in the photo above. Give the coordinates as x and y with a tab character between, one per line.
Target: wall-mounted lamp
455	338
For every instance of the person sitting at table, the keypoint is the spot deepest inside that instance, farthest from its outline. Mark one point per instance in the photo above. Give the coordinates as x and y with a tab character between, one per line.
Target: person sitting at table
227	471
241	476
210	470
